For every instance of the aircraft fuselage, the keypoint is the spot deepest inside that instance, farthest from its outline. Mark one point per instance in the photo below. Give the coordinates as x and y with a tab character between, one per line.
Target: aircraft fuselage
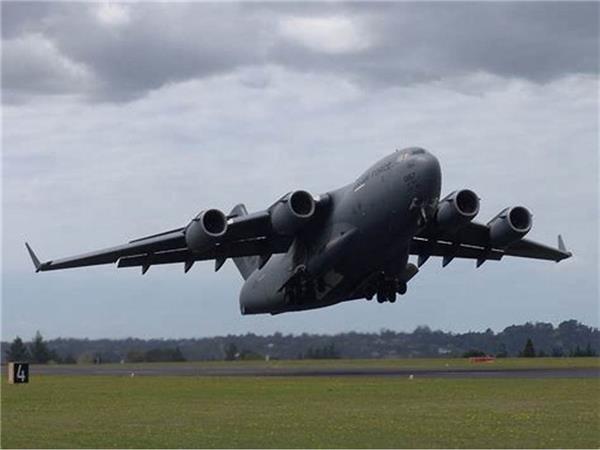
360	245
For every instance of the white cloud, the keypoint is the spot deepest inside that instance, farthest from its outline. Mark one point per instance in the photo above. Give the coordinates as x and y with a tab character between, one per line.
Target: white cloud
334	35
113	14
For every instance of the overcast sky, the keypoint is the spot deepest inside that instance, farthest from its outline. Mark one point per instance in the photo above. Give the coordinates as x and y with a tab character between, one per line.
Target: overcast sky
121	120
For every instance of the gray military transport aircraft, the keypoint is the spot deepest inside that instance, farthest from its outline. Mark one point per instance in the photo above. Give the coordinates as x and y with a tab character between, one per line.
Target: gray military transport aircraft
306	251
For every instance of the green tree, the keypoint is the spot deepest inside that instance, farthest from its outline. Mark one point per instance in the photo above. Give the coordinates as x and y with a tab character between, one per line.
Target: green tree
69	359
250	355
473	353
85	358
163	355
528	350
502	351
17	351
135	356
231	351
589	351
577	352
39	350
176	355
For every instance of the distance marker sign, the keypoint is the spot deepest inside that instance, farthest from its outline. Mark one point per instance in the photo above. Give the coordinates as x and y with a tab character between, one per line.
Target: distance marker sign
18	372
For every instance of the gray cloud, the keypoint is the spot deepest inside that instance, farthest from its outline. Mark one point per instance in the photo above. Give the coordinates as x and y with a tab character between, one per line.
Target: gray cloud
124	52
120	171
189	106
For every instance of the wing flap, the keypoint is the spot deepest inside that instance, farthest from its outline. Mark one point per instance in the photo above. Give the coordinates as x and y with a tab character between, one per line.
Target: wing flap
473	233
153	236
425	247
226	250
240	227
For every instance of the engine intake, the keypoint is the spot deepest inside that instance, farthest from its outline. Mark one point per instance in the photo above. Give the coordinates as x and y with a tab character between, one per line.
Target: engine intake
457	209
205	229
292	212
510	225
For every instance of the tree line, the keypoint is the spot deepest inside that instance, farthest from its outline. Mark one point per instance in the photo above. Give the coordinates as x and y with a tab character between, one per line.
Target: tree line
37	351
569	338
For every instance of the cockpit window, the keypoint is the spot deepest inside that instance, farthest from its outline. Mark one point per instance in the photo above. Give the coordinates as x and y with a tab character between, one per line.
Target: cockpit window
404	154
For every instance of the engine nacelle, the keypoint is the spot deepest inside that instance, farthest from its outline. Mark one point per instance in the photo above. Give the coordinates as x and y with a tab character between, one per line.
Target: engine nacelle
457	209
510	225
205	229
292	212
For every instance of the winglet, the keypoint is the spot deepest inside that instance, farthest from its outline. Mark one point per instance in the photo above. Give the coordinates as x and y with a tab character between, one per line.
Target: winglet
34	258
563	248
561	244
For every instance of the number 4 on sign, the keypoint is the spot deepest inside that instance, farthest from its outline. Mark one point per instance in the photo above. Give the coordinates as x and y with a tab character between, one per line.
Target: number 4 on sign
21	373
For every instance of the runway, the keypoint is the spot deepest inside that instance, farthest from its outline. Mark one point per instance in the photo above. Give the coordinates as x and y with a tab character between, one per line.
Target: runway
195	369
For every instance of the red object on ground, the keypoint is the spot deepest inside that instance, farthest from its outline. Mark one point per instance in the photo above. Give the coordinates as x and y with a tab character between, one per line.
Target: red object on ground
482	359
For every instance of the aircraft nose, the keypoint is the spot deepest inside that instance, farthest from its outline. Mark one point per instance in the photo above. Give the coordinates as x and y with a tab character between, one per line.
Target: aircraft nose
430	174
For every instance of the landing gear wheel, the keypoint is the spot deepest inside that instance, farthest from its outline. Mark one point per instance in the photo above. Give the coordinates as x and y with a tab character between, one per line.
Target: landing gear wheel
389	290
392	296
380	297
370	293
402	288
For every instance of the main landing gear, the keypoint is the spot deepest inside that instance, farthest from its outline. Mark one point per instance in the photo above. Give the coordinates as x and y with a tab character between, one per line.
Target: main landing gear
386	289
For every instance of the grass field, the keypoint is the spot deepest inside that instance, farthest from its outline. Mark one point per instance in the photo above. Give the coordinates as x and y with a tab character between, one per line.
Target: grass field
100	411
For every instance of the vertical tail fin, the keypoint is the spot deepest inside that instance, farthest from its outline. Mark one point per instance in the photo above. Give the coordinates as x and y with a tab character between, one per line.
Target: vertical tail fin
245	264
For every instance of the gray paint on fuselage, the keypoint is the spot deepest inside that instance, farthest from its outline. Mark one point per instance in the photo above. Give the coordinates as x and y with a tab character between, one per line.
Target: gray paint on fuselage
368	229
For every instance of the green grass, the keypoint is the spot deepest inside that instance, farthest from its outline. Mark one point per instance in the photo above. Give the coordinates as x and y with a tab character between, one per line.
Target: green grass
98	411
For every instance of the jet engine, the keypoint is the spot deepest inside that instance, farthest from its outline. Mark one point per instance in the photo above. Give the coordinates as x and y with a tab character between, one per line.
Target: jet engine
457	209
204	229
510	225
292	212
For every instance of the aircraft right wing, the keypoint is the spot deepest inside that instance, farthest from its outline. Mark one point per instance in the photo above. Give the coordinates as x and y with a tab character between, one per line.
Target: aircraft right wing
473	242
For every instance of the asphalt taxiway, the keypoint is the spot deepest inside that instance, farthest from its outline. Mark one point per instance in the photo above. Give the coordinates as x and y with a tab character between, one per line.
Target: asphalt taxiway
182	369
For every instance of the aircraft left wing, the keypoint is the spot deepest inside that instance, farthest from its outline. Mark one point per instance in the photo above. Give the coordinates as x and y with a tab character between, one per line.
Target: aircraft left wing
247	235
473	241
210	235
161	242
